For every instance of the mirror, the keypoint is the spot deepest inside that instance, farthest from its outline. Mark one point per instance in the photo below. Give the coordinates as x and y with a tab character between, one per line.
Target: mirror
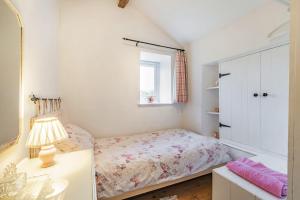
10	74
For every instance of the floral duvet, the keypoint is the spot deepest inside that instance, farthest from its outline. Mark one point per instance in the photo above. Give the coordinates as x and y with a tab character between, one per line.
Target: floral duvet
128	163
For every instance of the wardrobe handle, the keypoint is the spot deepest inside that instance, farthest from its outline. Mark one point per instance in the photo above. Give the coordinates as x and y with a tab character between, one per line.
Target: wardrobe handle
255	95
265	94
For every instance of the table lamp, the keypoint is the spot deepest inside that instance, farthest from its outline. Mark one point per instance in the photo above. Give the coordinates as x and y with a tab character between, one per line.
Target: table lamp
44	134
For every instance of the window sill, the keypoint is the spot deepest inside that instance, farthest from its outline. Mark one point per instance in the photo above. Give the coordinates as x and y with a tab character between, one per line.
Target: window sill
155	104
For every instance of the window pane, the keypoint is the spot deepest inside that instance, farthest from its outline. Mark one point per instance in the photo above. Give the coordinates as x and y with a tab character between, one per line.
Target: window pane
147	82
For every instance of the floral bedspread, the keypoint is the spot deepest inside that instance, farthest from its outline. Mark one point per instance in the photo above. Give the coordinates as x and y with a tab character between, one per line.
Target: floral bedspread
128	163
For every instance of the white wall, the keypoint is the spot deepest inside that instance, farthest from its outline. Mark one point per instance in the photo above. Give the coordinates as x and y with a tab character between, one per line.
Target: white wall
40	62
100	72
248	33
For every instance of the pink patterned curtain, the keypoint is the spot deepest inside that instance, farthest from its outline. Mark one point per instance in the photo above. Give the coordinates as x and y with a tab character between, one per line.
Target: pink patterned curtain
181	78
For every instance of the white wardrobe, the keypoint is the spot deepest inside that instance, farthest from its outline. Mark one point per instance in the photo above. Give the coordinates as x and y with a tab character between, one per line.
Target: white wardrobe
253	100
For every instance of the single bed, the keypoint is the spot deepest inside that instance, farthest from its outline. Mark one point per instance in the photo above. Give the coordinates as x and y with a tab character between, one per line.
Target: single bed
131	165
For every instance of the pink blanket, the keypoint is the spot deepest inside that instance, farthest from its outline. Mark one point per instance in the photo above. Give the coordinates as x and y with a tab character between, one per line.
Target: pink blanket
271	181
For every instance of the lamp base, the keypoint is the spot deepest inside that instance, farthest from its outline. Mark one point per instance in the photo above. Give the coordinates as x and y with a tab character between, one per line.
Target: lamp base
46	155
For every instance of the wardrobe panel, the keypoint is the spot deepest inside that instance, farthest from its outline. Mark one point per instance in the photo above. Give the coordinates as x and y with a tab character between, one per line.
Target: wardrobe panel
239	107
274	100
253	100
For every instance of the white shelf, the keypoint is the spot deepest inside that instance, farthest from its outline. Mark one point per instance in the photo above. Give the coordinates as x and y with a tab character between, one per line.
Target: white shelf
213	88
213	113
210	101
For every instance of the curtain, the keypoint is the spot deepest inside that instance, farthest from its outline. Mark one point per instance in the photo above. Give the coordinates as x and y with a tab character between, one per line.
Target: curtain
181	78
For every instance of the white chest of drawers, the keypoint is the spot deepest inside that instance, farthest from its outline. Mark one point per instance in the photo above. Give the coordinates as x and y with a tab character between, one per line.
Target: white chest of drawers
76	167
229	186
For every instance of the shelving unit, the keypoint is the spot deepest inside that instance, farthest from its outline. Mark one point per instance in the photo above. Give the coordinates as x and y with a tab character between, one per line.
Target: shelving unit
213	88
210	98
213	113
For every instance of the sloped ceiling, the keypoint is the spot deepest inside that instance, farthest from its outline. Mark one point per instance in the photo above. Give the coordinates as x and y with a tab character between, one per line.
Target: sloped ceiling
187	20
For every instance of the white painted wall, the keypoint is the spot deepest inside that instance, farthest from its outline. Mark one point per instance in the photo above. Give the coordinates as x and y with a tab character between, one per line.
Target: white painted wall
40	62
100	72
248	33
189	20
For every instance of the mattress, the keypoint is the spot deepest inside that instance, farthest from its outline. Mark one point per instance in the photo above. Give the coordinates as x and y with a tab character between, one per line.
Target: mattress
128	163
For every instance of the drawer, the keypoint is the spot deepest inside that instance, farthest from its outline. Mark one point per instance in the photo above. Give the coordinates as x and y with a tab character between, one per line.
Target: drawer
226	190
221	188
237	193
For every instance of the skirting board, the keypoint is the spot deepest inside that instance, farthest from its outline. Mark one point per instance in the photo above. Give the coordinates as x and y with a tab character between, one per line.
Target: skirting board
162	185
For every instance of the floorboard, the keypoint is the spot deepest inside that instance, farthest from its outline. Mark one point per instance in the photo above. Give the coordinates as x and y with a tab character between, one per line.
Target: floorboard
196	189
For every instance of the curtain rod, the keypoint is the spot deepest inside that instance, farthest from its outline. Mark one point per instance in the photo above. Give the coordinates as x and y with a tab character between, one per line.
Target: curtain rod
35	99
157	45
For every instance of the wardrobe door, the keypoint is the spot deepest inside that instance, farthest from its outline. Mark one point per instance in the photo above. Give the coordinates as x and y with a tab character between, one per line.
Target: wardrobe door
274	101
239	100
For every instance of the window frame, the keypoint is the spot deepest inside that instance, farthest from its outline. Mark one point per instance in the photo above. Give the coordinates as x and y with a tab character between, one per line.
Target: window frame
172	54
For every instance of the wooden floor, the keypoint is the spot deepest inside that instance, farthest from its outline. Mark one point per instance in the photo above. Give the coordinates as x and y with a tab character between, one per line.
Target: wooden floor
196	189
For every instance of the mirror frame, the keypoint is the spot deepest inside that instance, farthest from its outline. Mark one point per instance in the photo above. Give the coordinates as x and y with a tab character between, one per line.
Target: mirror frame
15	140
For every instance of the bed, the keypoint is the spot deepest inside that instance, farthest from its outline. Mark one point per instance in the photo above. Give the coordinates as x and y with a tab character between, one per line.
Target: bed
130	165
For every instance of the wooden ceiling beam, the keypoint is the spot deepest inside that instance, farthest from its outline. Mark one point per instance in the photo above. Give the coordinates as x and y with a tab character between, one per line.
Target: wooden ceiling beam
123	3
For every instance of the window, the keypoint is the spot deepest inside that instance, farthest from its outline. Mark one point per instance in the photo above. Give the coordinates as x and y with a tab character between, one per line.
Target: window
156	77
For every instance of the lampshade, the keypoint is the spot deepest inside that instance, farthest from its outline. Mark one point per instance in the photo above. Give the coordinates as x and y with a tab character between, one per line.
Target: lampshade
45	132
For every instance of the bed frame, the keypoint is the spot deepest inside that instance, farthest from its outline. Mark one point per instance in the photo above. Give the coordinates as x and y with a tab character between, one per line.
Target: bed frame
162	185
